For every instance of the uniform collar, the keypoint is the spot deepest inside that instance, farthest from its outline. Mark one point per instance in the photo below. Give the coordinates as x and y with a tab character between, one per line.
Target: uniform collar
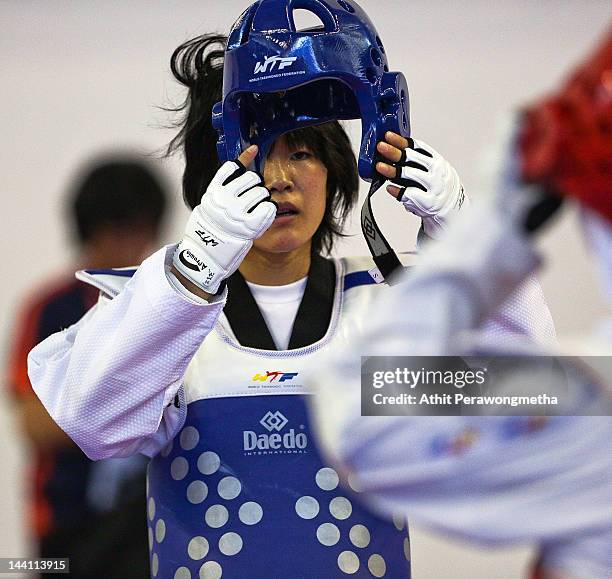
312	319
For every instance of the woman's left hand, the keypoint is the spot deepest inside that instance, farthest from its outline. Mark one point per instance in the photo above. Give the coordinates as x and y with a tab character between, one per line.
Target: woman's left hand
424	181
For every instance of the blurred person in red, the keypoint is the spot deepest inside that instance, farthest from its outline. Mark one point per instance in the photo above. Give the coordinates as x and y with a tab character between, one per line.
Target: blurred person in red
89	512
498	478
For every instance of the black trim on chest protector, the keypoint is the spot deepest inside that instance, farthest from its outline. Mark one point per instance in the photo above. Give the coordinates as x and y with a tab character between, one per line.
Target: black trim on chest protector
312	319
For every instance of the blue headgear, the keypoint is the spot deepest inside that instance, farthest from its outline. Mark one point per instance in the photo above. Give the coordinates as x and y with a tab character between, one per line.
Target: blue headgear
277	79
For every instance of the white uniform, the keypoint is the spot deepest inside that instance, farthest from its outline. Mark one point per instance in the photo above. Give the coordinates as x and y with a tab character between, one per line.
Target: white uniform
488	479
236	484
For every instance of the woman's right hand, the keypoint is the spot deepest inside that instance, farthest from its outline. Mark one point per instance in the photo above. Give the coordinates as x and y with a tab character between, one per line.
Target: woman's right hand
235	210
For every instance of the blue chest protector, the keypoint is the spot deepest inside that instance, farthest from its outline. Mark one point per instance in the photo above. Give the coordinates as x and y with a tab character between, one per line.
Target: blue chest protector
262	513
242	491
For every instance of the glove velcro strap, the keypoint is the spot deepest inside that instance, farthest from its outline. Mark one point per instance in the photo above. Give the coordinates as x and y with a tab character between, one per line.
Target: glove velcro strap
403	162
405	182
239	171
197	268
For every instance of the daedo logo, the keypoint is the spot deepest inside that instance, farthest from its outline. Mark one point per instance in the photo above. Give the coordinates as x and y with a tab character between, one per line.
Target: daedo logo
274	376
289	442
273	421
270	62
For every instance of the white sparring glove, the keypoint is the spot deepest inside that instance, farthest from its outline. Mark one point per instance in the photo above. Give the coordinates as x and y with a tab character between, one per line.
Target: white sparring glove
235	210
430	187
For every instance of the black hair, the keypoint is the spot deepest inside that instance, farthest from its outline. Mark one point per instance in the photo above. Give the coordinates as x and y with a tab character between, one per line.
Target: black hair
120	191
198	65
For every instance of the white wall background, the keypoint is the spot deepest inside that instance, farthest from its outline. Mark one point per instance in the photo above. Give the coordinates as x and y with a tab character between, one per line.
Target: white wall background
80	77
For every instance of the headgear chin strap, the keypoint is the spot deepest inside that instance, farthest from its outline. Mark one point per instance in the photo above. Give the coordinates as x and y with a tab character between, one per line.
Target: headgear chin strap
278	79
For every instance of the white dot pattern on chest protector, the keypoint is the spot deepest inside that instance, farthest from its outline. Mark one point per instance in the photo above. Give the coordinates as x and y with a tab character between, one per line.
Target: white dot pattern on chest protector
250	513
399	522
189	438
407	548
182	573
198	548
211	490
211	570
229	488
209	462
340	508
359	536
328	534
307	507
327	479
216	516
230	544
197	491
179	468
377	565
154	565
353	483
348	562
160	530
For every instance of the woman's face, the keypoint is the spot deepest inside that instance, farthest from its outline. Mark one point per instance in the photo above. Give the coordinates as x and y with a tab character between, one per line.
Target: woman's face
297	181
